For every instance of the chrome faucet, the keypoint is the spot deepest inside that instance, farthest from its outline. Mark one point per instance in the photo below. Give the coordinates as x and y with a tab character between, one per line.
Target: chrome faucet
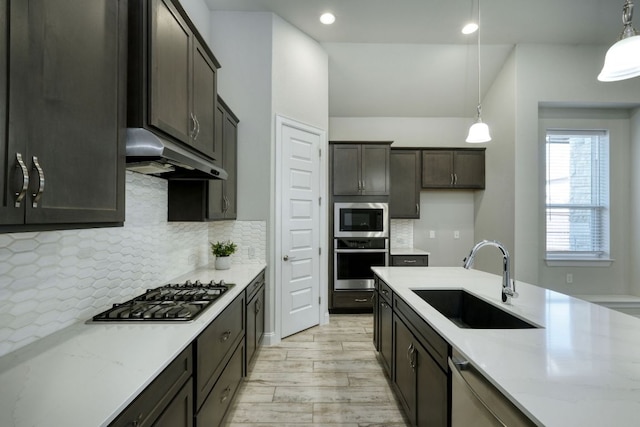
508	285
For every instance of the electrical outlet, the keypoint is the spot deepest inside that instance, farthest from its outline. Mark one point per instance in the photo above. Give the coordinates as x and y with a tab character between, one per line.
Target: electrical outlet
432	234
251	252
456	234
569	278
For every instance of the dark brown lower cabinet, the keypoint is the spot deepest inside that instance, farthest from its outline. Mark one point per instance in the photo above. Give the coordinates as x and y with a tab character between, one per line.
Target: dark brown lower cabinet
179	413
167	401
359	301
420	383
217	403
385	313
255	322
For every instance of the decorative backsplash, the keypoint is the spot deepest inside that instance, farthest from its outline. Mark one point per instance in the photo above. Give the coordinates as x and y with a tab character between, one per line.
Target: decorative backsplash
51	279
401	233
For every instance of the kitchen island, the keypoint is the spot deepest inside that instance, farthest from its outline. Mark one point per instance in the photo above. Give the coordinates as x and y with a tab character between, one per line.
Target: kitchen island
86	374
581	367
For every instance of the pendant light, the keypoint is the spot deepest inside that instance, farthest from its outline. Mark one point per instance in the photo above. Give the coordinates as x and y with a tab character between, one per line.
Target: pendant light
479	131
622	60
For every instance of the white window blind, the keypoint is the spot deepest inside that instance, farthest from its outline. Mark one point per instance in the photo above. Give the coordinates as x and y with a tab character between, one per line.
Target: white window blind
577	194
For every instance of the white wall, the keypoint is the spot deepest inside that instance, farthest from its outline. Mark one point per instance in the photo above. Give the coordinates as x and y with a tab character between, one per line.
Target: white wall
269	68
494	216
242	42
634	235
442	211
198	12
559	75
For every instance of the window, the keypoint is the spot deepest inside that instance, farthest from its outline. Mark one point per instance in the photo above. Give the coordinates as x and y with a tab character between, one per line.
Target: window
577	195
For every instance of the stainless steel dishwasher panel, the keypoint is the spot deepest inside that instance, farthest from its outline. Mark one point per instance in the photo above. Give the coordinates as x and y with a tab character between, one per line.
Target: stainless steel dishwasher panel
476	402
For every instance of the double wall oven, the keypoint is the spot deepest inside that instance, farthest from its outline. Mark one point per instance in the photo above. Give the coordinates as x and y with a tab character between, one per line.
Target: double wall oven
360	241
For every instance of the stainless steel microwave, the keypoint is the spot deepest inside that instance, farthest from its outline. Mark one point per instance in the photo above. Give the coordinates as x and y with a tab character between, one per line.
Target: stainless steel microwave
361	220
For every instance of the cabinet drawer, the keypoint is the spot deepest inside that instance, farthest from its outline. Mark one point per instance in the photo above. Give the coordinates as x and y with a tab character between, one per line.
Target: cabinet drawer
437	347
150	404
352	299
410	260
255	285
385	291
215	344
217	403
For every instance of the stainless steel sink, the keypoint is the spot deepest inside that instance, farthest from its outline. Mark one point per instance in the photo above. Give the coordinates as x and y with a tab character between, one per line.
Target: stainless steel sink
468	311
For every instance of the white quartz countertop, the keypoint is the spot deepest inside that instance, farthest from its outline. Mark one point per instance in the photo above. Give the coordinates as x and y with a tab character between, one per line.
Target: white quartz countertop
408	251
86	374
581	368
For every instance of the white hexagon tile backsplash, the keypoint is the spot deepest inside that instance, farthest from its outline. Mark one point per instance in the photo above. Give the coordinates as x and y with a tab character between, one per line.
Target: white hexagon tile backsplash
51	279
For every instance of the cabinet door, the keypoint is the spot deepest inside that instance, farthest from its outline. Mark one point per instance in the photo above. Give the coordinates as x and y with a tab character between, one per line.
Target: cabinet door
437	169
13	41
346	170
385	314
76	117
179	413
469	169
223	194
170	72
431	390
404	368
204	101
216	202
404	197
375	170
230	150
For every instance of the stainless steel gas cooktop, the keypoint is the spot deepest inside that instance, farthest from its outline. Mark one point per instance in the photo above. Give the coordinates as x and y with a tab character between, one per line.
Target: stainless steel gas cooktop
172	302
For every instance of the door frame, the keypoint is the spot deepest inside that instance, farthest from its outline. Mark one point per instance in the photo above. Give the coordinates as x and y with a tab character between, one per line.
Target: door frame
282	121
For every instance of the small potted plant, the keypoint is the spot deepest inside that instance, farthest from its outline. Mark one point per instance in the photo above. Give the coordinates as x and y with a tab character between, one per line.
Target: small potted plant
222	252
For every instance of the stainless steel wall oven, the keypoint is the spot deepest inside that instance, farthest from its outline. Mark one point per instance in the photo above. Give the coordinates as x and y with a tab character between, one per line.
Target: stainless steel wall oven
353	259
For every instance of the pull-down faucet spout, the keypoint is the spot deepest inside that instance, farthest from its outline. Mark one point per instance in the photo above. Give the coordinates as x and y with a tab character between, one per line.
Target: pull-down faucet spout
508	285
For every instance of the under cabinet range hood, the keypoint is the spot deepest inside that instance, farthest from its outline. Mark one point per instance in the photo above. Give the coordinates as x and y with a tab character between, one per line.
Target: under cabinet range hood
151	154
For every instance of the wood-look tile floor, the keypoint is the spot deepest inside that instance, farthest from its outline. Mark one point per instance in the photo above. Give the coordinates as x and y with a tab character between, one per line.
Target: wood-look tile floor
325	376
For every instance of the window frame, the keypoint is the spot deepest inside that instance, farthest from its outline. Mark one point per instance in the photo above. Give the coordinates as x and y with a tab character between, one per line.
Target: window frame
602	255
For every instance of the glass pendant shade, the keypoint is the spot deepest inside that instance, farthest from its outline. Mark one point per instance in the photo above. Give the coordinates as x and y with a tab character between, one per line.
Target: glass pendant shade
478	132
622	60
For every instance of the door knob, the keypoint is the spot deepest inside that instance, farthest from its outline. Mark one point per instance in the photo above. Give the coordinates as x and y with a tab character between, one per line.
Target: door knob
287	257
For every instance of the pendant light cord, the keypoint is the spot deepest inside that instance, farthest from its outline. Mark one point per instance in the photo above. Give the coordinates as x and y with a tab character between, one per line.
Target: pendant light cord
479	63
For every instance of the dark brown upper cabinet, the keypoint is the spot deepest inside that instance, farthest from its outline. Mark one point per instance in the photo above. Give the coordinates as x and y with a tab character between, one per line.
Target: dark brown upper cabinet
361	169
462	168
62	113
404	198
172	75
210	200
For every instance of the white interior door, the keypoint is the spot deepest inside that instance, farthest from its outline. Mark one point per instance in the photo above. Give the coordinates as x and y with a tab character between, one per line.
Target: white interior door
300	227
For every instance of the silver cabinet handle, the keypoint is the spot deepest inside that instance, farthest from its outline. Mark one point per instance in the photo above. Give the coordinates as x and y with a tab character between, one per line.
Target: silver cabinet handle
451	179
38	194
226	204
417	209
197	127
25	180
192	132
409	261
225	336
455	179
360	300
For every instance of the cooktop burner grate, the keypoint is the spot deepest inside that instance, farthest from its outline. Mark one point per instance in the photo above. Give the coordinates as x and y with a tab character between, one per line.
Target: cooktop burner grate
172	302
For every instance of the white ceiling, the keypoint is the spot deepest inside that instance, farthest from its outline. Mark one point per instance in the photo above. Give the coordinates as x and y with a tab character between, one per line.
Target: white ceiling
407	58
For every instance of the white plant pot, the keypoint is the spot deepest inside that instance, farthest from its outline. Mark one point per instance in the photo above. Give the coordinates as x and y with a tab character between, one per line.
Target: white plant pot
223	262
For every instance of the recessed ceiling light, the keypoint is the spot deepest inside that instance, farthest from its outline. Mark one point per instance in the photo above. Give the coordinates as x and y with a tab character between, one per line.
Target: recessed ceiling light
327	18
470	28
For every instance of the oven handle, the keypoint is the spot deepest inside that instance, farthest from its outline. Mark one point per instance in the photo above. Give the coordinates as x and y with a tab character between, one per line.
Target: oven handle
355	251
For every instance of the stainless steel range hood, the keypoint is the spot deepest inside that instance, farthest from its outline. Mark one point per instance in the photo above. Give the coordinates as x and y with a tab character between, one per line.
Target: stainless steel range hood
150	154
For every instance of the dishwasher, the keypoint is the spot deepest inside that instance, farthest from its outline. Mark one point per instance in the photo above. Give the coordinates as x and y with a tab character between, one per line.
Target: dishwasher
476	402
